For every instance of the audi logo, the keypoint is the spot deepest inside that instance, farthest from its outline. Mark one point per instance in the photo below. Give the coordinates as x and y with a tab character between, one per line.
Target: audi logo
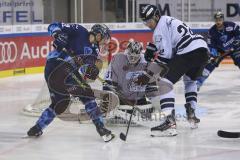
8	52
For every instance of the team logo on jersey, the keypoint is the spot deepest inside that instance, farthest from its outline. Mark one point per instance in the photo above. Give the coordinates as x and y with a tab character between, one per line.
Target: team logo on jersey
223	38
131	77
88	50
229	29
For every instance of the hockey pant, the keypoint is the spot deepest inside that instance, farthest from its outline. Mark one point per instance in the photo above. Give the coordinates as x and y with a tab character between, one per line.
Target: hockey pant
189	65
63	80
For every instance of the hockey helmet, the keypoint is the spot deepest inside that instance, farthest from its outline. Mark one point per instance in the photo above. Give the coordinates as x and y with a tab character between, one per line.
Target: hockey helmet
103	30
218	15
148	12
133	52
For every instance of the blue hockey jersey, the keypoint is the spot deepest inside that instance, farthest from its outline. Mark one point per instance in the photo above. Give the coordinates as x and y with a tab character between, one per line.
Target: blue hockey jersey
78	41
222	40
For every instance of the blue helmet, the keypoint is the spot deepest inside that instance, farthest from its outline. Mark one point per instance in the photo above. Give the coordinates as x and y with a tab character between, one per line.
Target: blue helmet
102	29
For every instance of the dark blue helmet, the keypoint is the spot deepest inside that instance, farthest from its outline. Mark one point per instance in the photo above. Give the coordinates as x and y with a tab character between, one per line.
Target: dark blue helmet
102	29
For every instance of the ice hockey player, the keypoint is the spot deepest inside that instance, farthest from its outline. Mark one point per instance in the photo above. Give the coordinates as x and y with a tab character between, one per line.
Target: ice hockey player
184	53
122	71
223	39
75	49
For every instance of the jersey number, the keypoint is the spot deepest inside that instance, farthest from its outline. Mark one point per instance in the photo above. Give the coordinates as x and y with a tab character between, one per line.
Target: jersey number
184	29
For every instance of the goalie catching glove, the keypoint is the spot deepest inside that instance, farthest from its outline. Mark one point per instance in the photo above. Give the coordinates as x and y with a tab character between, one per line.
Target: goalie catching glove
150	52
143	79
158	69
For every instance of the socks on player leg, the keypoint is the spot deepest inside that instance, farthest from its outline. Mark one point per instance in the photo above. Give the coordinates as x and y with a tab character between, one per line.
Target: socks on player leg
206	72
94	113
46	118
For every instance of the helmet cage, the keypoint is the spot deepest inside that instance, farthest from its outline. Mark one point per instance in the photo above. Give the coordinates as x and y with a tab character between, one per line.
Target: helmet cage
133	52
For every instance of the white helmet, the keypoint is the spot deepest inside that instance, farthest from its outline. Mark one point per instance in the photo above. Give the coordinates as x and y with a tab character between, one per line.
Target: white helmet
133	52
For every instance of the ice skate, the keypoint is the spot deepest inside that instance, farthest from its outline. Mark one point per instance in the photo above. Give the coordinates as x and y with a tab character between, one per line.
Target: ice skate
191	117
35	131
105	133
167	128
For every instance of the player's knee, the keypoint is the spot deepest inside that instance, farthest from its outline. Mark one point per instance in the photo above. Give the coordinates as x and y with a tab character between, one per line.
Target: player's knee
190	85
165	86
92	109
60	106
90	105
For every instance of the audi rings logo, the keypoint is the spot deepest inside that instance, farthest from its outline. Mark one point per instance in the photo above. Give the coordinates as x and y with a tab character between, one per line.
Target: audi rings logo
8	52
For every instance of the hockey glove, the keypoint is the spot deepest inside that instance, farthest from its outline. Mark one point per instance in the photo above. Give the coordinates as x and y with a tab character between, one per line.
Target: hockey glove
150	52
78	60
89	71
61	41
236	45
142	79
213	52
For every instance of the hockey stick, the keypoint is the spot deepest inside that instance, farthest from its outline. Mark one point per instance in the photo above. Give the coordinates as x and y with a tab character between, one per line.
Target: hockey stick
226	134
219	59
122	135
144	115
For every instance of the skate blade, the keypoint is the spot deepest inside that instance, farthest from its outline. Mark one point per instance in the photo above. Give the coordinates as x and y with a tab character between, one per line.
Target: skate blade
29	137
193	125
108	138
167	133
25	137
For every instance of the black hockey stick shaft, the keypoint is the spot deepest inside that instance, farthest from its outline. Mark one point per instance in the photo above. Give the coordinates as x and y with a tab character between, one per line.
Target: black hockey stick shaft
219	59
145	115
226	134
122	135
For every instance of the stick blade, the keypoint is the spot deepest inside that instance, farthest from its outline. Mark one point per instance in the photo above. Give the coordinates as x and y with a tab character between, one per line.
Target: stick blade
123	136
226	134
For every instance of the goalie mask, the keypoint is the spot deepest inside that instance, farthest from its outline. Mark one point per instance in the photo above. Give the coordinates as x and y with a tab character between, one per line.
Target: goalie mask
133	52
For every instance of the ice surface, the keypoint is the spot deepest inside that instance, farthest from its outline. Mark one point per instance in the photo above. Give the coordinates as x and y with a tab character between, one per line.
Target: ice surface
219	100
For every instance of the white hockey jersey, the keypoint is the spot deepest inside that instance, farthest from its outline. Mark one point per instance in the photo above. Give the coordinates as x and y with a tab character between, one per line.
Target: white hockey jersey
122	73
171	36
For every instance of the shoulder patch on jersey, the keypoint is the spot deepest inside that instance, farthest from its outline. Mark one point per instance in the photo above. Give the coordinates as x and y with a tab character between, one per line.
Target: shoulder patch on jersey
229	28
223	38
169	20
